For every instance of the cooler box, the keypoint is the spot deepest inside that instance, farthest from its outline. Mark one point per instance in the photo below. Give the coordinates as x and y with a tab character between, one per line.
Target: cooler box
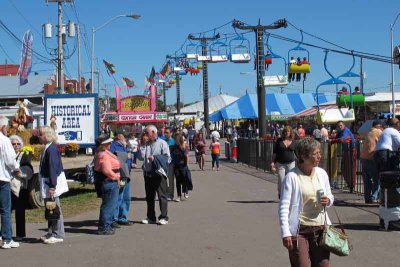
389	209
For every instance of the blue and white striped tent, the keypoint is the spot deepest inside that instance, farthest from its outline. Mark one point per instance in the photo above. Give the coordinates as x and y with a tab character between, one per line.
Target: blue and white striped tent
283	104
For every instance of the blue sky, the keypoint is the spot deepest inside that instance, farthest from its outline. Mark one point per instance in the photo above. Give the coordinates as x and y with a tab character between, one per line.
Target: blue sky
134	46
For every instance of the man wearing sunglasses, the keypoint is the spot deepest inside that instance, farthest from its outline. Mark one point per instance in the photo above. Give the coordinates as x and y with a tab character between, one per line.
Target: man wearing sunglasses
8	167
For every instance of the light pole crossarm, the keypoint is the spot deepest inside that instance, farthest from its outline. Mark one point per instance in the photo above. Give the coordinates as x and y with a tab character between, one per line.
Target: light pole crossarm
94	30
133	16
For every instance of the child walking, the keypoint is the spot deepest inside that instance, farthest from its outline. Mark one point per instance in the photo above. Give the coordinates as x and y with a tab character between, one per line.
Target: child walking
215	152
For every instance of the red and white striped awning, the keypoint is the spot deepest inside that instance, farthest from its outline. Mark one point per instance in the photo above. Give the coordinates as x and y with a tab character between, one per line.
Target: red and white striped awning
312	111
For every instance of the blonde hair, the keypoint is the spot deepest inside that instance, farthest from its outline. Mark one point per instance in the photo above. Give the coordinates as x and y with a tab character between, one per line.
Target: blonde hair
289	129
49	134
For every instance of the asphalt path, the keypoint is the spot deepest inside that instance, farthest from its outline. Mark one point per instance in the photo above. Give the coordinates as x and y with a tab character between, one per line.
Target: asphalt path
230	219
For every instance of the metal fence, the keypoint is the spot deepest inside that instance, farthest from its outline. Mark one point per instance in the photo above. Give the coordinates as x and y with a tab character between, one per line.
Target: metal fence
341	162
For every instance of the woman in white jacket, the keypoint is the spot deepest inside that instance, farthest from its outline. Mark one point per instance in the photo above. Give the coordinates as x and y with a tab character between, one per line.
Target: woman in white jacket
301	214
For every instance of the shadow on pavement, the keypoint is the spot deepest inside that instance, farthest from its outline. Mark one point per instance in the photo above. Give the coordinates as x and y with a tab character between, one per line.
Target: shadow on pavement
77	227
361	226
253	201
138	199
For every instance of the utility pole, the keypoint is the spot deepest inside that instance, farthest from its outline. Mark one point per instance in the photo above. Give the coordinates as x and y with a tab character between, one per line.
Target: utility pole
79	59
164	96
178	83
204	40
361	76
60	65
259	31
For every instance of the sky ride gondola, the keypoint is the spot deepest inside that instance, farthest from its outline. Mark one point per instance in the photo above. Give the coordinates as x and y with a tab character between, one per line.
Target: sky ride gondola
334	115
191	50
274	80
301	65
219	51
239	50
199	51
357	98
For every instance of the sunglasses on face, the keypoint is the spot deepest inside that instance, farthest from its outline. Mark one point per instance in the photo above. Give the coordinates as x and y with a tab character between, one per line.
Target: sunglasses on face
16	144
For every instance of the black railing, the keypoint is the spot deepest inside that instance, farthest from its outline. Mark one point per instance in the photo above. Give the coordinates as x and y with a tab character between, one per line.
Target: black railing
340	161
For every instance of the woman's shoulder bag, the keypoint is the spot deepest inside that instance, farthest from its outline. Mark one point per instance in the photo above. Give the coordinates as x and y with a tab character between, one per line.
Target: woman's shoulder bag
335	240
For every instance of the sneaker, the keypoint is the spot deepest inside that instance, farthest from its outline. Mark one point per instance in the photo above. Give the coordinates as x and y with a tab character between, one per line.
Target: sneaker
147	221
10	244
115	225
127	223
212	168
109	232
182	198
53	240
186	195
46	236
163	222
177	199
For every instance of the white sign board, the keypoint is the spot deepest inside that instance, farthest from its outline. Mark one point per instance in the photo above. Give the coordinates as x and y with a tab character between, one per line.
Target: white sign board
76	117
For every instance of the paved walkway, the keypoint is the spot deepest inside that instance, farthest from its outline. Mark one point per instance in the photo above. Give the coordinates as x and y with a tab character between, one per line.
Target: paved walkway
230	219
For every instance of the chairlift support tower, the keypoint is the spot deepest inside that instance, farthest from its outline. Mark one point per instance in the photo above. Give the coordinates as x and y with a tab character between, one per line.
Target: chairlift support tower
259	31
204	40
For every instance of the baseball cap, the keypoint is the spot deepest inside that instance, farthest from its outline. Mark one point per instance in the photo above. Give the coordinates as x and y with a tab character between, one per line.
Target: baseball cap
101	140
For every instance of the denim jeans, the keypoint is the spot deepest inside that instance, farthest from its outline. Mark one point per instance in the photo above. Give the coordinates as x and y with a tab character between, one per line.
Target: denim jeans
108	205
215	160
124	202
5	210
56	227
370	176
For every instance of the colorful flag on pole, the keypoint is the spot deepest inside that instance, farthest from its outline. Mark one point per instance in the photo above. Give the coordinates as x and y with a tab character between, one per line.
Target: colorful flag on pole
128	83
26	58
146	82
152	75
110	67
166	69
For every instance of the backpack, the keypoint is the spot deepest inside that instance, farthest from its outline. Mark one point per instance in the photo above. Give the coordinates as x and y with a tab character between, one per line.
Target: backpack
89	169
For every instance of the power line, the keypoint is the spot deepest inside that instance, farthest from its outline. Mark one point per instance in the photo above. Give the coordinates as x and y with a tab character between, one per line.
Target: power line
24	18
5	53
19	42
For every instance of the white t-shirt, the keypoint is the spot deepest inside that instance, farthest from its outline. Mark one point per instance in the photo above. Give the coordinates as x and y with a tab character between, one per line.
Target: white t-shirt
389	139
133	144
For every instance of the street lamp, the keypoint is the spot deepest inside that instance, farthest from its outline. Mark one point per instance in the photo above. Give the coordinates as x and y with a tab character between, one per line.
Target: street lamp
391	65
132	16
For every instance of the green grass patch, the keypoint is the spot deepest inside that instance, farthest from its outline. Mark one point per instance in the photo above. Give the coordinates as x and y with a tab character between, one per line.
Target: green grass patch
79	199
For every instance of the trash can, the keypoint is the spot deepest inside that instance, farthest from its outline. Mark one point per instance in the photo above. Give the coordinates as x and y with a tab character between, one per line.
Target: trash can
233	152
389	208
227	150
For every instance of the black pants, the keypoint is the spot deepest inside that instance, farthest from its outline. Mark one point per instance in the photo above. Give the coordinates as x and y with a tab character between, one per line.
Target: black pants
156	184
386	160
181	181
19	204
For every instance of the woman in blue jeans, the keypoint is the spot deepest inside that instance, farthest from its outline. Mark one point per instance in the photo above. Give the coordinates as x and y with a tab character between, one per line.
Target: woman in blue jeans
283	158
107	168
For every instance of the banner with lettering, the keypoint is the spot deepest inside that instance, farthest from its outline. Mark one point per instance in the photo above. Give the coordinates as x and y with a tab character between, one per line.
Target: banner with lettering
136	103
26	58
76	117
